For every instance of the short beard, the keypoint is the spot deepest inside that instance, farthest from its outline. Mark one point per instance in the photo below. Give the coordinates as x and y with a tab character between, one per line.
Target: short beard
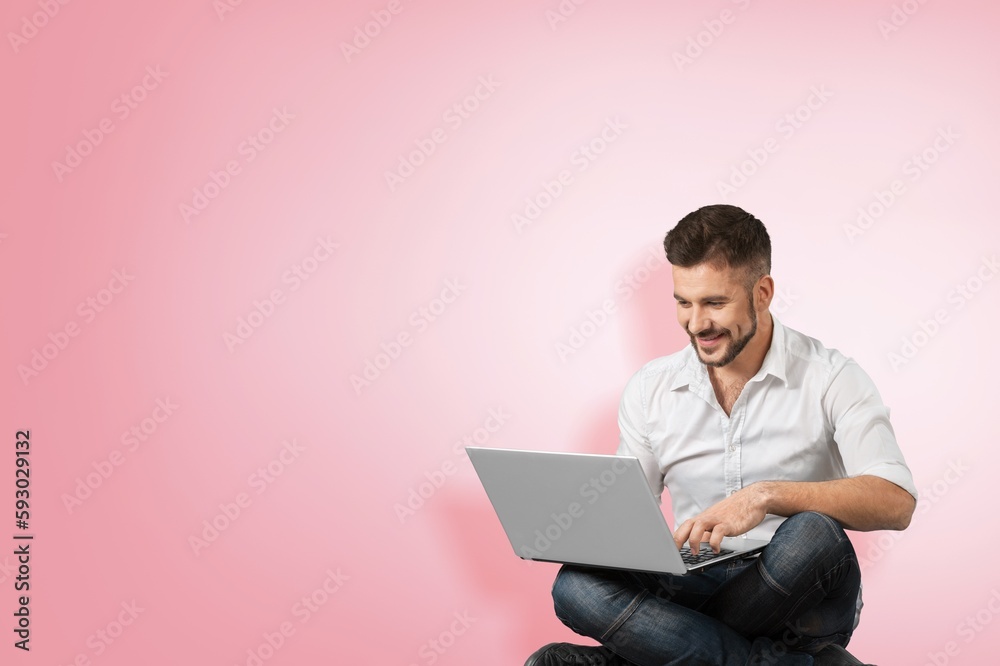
735	347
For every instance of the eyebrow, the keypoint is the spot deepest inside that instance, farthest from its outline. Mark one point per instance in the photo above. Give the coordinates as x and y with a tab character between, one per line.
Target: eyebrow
706	299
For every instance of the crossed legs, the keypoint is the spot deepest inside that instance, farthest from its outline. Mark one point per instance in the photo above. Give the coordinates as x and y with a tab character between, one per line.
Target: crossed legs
798	596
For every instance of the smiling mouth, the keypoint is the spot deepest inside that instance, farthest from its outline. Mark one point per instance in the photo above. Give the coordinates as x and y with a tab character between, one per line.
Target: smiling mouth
710	340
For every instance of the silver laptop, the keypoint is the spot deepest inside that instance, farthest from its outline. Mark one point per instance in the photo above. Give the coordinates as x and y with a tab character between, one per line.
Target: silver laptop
588	509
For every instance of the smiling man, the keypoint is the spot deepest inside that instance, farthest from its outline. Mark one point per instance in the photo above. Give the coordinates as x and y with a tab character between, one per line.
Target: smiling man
755	430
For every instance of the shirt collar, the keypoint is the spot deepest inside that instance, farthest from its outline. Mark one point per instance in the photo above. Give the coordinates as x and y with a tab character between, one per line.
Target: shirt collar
776	358
694	373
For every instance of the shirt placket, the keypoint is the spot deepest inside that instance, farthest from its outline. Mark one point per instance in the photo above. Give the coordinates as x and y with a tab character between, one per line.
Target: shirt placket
733	454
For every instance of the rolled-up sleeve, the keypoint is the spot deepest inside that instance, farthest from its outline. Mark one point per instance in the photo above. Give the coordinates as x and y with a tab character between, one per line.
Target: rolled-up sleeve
861	427
633	438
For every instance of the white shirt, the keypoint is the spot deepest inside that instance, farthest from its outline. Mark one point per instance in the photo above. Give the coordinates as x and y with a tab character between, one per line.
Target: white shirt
809	414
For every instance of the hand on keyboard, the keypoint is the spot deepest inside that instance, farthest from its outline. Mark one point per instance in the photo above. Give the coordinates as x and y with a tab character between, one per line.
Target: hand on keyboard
704	555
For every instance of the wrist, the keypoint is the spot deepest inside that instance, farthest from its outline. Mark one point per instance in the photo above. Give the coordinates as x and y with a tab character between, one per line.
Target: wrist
765	495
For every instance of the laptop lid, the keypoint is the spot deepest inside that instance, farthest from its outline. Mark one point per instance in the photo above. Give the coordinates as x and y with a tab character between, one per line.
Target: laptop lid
581	508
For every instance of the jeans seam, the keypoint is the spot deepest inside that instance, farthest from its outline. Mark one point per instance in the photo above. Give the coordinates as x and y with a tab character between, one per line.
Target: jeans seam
626	614
819	583
773	584
794	611
839	538
837	528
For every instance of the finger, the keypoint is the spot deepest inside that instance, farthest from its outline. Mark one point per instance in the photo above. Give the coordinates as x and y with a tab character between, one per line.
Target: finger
716	538
697	536
681	535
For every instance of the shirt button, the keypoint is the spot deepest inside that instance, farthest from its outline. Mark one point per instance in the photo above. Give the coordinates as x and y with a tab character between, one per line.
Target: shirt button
732	448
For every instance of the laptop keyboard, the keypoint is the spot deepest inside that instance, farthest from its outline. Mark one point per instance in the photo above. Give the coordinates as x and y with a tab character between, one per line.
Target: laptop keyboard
704	555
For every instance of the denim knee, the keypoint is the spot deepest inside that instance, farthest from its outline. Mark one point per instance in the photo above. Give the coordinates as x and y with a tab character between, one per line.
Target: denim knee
817	528
569	594
809	542
592	602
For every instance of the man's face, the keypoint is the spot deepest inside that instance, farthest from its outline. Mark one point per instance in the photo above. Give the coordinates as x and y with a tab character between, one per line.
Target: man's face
713	306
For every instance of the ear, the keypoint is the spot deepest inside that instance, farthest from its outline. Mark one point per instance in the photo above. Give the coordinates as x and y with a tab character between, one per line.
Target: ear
763	293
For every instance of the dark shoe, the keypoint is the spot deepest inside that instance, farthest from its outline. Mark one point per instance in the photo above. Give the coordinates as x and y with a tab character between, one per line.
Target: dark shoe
567	654
834	655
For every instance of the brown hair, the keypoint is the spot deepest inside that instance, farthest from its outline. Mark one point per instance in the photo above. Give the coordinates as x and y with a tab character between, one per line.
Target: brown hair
721	235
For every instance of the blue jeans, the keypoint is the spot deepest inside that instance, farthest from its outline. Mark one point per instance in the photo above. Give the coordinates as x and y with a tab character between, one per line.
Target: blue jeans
797	597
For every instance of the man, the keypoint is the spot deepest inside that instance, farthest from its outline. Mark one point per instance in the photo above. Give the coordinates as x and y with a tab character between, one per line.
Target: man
755	430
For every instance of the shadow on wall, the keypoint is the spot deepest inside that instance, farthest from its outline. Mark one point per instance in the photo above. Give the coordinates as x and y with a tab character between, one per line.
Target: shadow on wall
651	329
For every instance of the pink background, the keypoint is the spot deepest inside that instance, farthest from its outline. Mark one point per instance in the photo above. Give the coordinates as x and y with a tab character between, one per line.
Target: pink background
442	585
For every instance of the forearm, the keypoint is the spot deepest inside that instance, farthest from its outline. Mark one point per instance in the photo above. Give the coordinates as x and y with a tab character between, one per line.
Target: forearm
862	503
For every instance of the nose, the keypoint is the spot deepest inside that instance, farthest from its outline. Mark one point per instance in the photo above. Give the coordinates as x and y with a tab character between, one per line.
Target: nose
699	321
